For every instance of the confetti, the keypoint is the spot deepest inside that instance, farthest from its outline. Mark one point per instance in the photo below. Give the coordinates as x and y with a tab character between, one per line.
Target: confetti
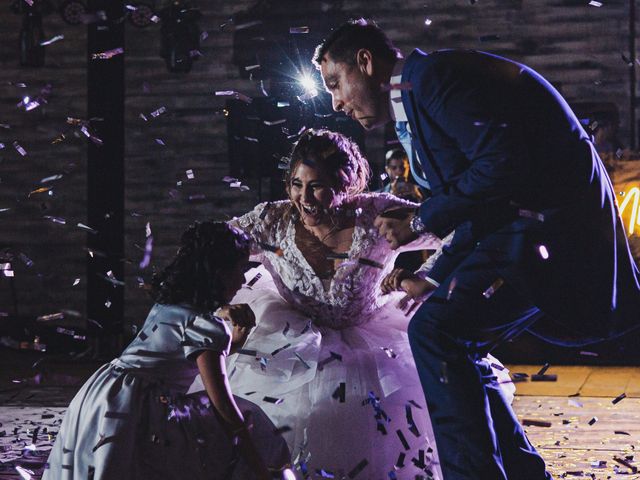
253	281
242	26
390	353
593	420
158	112
619	398
358	468
148	248
51	178
544	378
275	122
531	214
52	40
588	354
86	228
190	174
403	440
544	369
59	220
304	363
299	29
624	462
278	350
19	149
234	94
275	401
410	422
428	21
527	422
594	3
39	190
370	263
50	317
108	54
334	356
544	253
488	293
340	392
250	353
159	141
452	287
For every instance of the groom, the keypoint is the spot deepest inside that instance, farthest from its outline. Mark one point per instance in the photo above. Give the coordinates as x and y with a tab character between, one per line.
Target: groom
538	242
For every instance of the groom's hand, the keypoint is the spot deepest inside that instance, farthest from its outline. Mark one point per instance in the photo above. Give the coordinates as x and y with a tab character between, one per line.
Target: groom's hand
393	224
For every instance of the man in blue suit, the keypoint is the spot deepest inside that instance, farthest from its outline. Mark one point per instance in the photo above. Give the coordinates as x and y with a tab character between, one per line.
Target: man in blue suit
538	241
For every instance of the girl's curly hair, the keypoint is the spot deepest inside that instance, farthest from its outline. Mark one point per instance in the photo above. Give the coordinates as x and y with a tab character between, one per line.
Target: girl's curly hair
336	155
196	274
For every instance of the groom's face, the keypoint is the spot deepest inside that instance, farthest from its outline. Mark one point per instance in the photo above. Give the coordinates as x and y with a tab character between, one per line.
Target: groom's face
355	89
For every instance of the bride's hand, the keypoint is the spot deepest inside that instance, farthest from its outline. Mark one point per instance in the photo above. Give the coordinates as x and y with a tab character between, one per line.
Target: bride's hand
393	281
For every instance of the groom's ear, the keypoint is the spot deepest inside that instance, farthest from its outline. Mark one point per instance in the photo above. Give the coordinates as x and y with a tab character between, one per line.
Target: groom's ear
364	60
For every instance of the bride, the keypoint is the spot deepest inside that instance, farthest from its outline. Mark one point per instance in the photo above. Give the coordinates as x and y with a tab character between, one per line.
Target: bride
329	361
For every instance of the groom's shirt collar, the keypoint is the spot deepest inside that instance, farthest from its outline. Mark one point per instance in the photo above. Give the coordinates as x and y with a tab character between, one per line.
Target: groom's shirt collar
395	95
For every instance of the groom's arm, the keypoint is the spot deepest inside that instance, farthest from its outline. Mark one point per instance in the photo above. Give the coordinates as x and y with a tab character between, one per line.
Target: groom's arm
479	121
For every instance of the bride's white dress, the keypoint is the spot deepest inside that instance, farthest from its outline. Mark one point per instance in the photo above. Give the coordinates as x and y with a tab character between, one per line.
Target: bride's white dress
329	361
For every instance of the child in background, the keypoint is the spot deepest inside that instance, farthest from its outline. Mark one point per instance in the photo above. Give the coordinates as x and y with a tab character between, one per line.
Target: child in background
132	419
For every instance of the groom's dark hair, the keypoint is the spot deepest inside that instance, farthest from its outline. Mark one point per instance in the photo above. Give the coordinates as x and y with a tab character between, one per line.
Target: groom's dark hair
344	42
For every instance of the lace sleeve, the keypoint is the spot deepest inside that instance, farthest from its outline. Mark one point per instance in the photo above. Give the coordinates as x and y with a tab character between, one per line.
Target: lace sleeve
261	224
426	267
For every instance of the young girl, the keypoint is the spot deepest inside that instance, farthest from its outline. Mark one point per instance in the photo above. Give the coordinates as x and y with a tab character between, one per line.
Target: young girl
132	419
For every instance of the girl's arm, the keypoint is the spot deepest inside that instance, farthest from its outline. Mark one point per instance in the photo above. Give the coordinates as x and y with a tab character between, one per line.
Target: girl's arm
214	377
385	202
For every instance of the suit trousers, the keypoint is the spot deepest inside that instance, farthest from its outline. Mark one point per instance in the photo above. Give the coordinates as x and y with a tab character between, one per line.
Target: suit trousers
477	434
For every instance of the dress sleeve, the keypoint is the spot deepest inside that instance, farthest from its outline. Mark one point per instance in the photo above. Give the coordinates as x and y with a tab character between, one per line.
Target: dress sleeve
205	333
261	225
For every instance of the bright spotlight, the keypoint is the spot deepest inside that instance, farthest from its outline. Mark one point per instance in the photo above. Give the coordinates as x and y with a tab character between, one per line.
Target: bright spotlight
307	83
309	86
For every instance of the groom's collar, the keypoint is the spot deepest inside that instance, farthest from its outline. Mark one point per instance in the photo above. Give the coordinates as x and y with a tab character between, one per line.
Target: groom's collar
395	95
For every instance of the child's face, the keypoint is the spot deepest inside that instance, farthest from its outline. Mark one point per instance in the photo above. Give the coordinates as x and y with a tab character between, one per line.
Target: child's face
234	278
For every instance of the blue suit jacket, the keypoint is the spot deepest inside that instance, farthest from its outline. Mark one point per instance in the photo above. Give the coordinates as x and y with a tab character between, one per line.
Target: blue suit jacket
512	169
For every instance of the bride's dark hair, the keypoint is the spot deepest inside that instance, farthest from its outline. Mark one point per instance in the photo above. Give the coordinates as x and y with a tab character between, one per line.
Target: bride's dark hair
195	275
336	155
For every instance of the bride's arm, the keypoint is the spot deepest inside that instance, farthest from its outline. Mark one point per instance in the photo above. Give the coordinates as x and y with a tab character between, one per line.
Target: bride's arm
260	224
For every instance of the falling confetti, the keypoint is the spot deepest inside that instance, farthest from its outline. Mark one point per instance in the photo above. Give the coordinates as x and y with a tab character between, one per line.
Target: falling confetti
108	54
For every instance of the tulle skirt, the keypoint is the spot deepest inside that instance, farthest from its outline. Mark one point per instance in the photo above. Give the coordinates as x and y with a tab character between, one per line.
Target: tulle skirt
347	401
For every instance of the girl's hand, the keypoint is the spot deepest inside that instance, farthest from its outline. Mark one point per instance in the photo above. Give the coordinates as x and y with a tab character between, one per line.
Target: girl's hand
239	335
417	290
393	281
239	314
242	321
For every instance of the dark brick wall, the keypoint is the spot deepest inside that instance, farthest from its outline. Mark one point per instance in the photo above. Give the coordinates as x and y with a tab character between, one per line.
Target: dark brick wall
577	47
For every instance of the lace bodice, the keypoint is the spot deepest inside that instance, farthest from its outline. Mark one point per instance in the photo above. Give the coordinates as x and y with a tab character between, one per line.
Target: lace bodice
354	291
